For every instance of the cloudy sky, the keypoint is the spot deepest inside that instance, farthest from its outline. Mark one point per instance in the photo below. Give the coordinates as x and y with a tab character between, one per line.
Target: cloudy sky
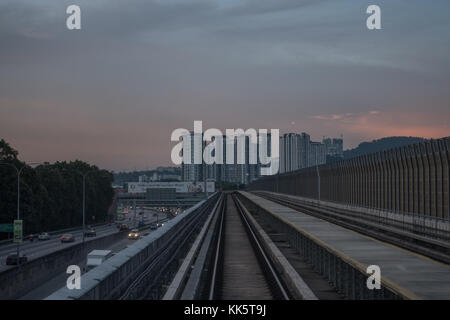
113	92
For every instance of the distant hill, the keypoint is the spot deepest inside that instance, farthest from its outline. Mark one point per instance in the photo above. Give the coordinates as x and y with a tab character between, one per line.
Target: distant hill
380	145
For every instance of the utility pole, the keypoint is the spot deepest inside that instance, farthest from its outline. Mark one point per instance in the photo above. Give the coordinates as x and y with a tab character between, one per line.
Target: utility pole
84	204
318	182
204	180
18	210
134	218
84	199
84	175
19	172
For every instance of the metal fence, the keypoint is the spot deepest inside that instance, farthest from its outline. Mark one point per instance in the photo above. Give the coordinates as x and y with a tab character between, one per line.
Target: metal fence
411	180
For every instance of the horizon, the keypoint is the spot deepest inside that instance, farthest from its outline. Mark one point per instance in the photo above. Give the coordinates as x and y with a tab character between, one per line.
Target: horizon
171	165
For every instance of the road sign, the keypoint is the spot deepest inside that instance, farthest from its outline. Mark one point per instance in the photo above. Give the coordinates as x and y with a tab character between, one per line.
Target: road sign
18	230
6	227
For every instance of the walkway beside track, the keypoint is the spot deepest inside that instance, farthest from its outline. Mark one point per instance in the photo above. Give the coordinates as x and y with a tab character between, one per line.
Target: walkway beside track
411	275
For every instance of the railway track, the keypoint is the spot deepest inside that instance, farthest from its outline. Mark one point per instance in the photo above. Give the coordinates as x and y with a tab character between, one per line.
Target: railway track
154	275
234	258
241	268
434	248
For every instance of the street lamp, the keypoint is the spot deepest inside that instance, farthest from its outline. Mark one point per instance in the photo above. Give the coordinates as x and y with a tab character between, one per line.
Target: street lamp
84	198
134	218
318	183
19	172
83	174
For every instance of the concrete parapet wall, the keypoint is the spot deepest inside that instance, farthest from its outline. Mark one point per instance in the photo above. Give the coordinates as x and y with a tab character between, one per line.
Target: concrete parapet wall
16	282
114	276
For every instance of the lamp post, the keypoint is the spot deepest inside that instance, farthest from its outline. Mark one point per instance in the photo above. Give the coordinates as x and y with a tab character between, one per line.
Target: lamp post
83	174
19	172
84	199
134	218
318	183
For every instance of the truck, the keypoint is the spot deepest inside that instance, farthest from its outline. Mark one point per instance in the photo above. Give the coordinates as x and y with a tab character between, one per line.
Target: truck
97	257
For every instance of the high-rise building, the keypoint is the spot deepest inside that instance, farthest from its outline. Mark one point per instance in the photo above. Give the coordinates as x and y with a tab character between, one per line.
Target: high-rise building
241	173
294	152
236	173
318	154
297	151
304	149
335	149
290	146
192	171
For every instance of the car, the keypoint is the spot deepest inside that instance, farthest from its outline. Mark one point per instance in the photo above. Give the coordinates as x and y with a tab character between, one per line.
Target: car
141	224
159	225
153	226
123	227
90	233
12	259
44	236
67	238
134	234
32	237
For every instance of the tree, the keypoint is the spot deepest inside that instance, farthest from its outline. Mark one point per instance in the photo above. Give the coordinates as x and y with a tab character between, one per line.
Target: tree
51	194
6	152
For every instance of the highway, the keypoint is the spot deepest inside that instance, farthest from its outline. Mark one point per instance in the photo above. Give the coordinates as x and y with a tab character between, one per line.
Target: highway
60	279
35	249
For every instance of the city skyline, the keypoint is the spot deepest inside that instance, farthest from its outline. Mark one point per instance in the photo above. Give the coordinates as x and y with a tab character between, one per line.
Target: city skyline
112	93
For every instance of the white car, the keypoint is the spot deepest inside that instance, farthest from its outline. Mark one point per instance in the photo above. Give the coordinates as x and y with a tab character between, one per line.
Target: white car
44	236
134	234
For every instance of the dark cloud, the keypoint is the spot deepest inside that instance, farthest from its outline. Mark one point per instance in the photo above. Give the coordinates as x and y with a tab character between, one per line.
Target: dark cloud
139	69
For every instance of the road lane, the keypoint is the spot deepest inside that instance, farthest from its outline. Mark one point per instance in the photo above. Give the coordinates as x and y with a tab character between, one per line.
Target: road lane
60	279
38	249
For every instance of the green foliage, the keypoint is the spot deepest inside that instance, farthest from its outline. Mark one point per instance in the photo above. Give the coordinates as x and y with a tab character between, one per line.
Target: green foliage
51	194
6	152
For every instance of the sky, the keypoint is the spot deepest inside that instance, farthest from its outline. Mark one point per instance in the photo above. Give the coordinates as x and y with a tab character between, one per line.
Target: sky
113	92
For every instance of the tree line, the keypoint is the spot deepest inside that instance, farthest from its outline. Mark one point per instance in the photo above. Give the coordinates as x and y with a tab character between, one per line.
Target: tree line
51	194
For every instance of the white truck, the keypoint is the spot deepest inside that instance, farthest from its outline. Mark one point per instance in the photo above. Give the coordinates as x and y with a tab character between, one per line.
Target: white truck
97	257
